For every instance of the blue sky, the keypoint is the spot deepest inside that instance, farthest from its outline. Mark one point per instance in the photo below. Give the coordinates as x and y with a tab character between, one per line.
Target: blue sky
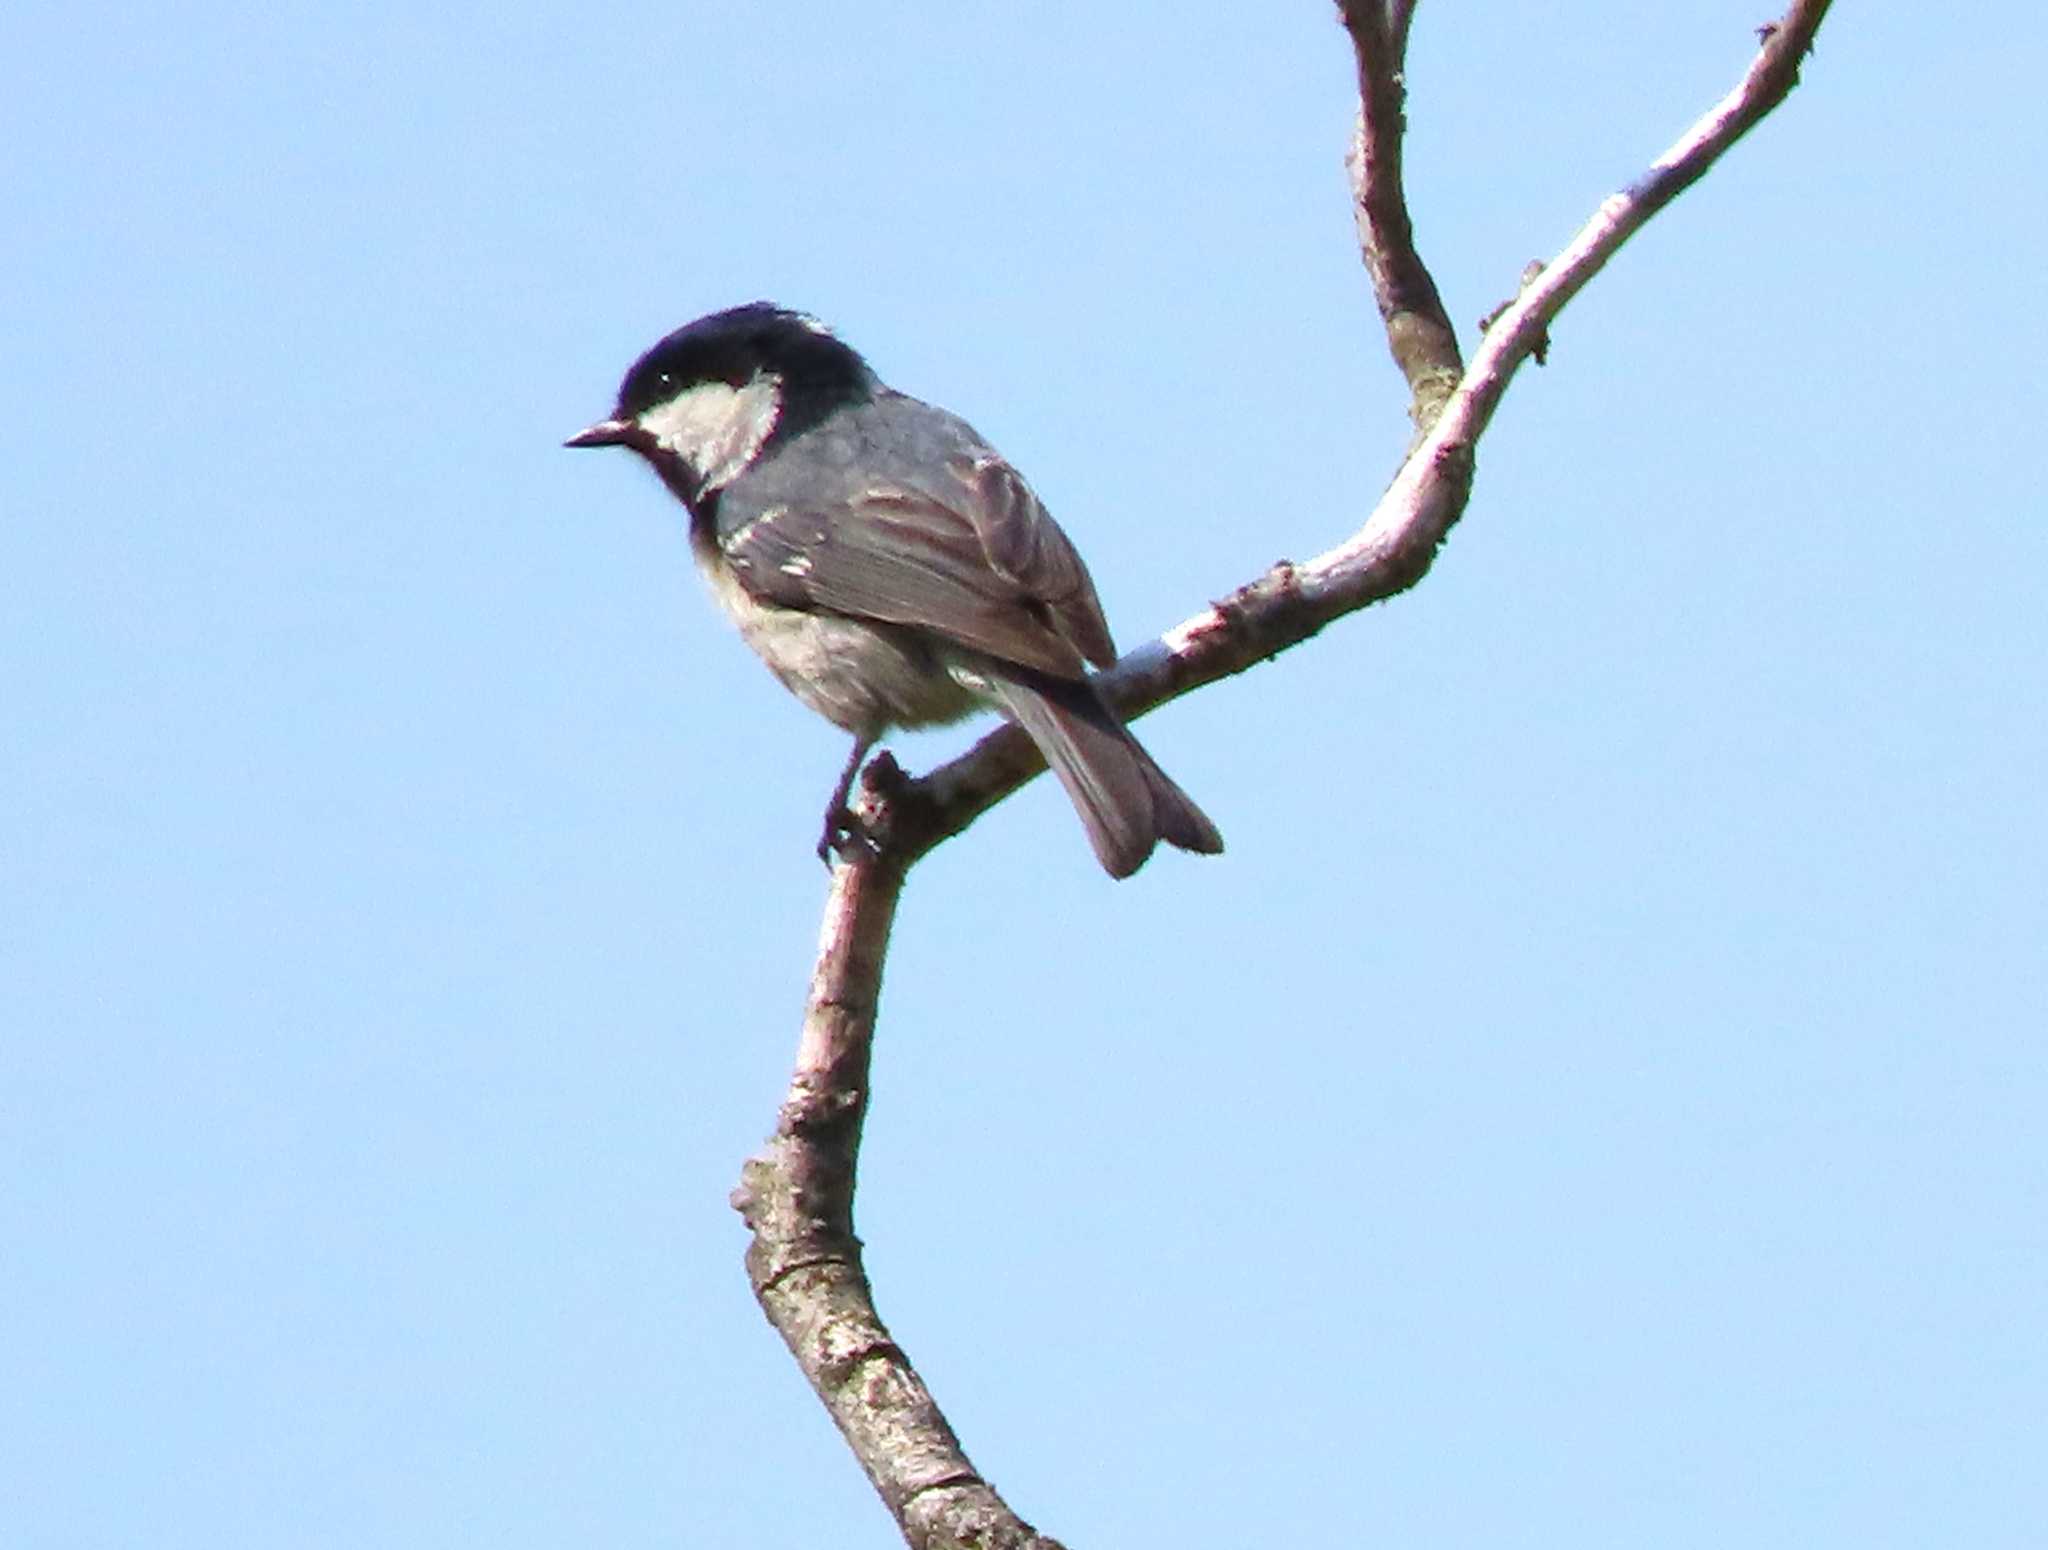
1597	1099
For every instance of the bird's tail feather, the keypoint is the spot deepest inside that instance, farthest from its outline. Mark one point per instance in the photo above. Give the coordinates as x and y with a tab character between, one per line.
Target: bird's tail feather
1126	801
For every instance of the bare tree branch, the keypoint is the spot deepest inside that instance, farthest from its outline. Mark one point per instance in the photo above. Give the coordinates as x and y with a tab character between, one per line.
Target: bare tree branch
1419	331
1395	548
797	1194
804	1262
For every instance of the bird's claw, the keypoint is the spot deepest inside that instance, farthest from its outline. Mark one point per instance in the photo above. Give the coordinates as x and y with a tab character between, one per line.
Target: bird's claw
846	838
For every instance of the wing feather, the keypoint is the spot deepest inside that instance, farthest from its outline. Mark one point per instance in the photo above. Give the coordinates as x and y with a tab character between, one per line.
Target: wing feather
984	565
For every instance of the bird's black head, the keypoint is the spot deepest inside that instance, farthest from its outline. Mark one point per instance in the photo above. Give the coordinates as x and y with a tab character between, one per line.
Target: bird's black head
718	394
742	343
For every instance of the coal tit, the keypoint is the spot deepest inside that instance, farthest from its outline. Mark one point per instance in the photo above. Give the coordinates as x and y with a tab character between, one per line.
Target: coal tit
886	563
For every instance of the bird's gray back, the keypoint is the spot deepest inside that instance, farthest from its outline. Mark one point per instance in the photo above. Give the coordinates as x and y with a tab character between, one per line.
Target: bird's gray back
892	441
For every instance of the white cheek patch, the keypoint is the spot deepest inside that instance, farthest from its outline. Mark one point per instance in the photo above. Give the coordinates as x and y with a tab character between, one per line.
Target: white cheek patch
717	428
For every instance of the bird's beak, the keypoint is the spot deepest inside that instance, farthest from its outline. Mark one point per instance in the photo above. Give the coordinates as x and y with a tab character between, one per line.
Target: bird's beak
606	433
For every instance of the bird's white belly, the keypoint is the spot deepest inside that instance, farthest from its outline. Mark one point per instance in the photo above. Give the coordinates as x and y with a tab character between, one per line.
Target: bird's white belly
860	676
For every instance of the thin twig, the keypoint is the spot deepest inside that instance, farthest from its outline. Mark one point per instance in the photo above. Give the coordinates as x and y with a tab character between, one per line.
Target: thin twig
1419	331
797	1194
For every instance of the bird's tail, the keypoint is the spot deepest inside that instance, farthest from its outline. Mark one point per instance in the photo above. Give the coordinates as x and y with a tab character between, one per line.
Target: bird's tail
1126	801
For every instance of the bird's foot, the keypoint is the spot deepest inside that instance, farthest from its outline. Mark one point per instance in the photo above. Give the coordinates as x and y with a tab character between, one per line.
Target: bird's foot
847	836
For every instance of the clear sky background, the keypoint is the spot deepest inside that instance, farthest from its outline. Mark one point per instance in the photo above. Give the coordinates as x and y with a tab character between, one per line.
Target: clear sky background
1596	1101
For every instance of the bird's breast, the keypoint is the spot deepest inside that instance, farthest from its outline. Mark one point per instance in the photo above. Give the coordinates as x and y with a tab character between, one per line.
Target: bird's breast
862	675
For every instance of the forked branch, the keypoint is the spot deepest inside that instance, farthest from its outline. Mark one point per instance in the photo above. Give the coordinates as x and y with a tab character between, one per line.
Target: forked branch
797	1194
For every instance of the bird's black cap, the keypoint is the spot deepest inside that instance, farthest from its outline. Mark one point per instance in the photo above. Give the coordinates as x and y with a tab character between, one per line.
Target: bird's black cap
739	344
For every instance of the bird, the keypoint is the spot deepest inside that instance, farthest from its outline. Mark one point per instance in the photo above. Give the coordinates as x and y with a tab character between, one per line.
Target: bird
889	566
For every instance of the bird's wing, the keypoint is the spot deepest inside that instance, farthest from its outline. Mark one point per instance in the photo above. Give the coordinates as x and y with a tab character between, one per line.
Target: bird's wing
971	555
